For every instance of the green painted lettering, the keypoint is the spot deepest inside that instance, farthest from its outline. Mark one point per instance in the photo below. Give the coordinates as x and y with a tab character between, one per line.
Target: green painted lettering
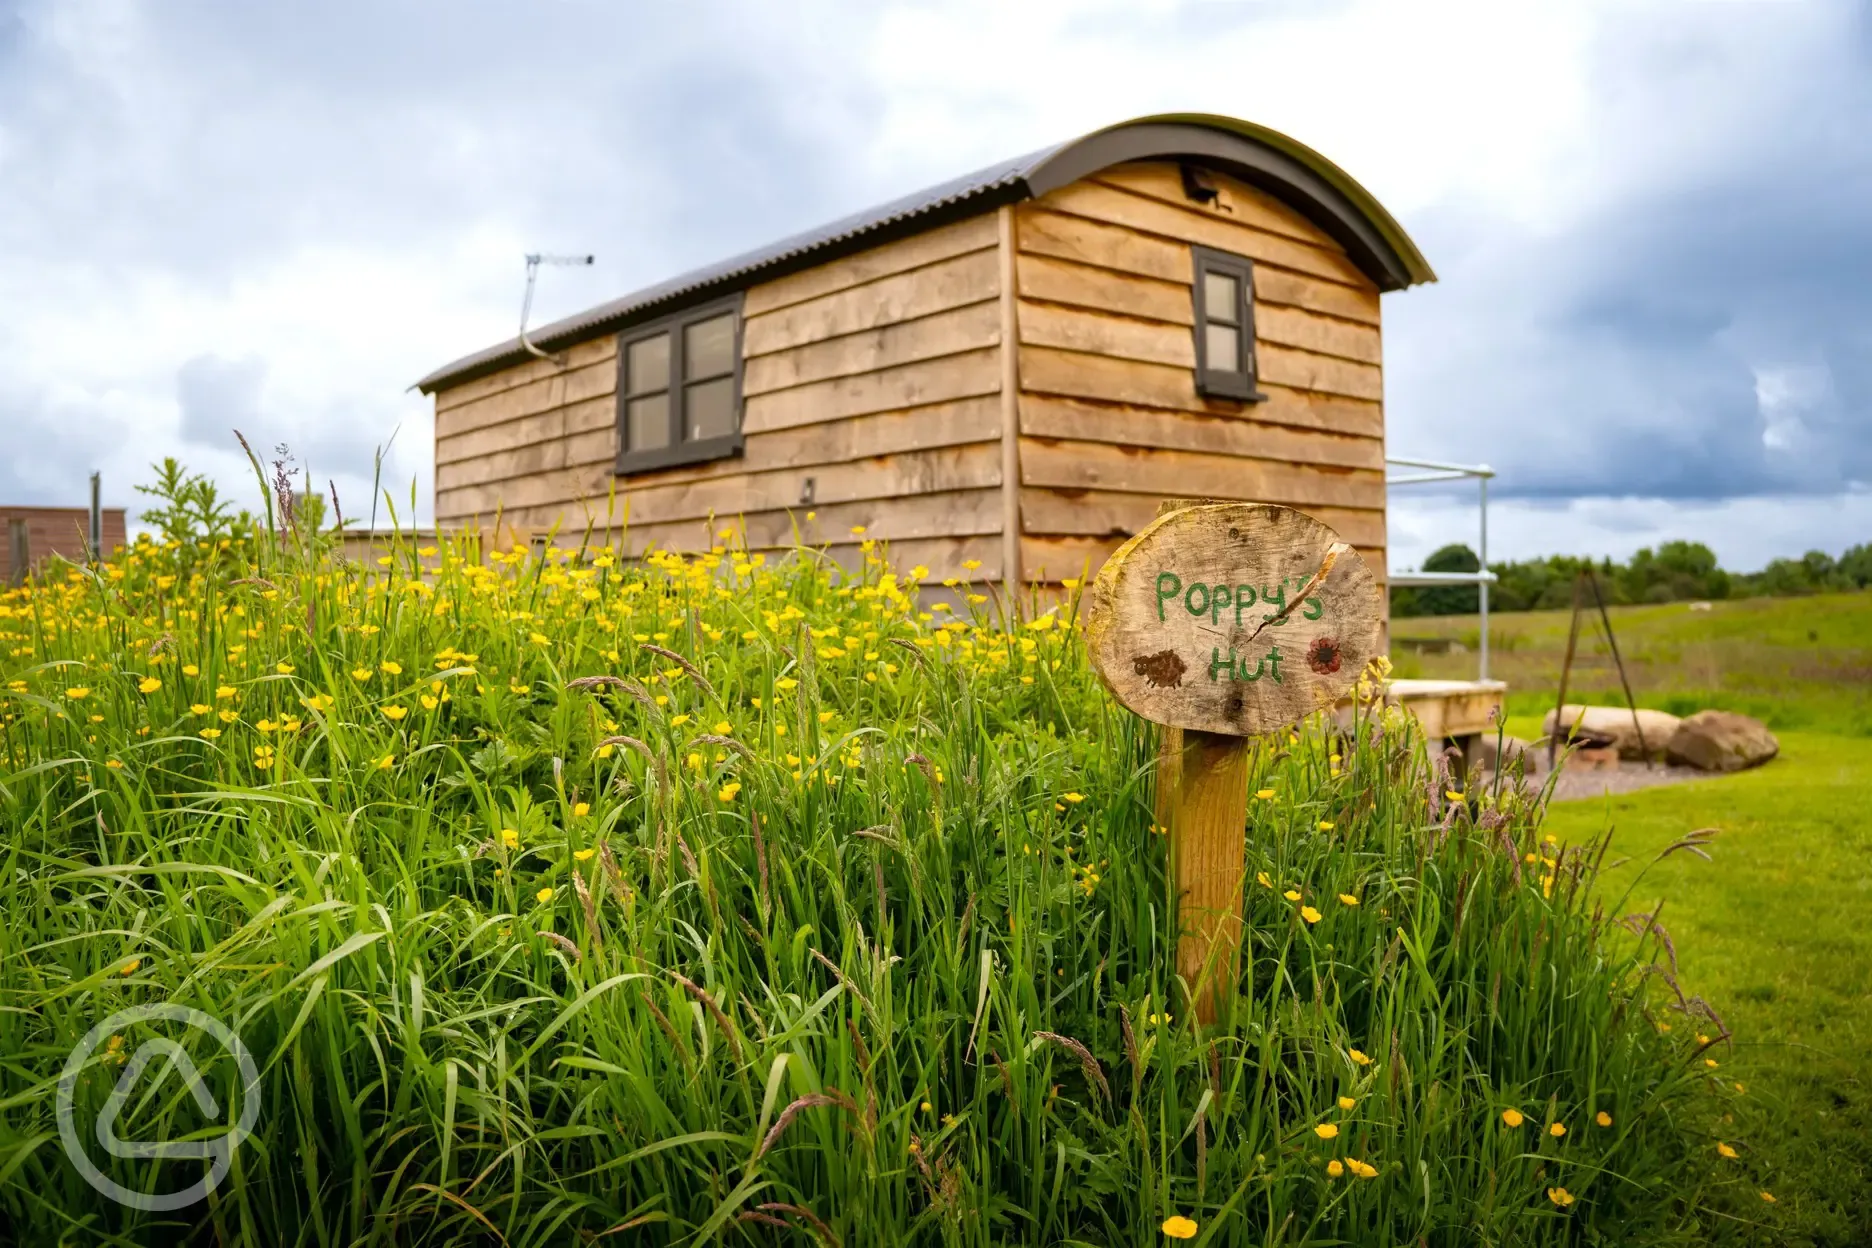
1176	587
1219	664
1315	609
1218	598
1189	600
1244	598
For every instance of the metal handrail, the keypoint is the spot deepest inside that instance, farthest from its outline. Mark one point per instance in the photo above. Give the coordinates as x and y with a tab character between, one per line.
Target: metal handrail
1439	471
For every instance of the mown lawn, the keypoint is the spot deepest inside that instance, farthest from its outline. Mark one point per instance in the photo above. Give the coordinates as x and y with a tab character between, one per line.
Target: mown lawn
1795	663
1774	931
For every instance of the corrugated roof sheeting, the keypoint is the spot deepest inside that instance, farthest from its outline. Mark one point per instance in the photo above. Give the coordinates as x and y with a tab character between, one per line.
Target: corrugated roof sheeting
1328	193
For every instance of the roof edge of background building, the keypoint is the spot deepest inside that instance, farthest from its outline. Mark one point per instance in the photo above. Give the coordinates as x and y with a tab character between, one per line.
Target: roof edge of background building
1285	168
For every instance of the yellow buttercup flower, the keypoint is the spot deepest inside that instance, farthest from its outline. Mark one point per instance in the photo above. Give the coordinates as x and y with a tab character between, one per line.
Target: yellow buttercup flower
130	967
360	673
1346	1103
1724	1150
149	684
1335	1168
1309	914
1556	1129
1602	1118
1179	1227
729	790
1292	894
1358	1058
1266	795
1512	1117
395	712
1364	1170
583	855
284	668
1325	825
510	838
581	809
1560	1196
78	693
391	668
1261	877
1326	1131
543	896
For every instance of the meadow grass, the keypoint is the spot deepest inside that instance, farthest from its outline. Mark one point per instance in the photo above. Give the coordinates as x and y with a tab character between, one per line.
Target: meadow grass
1794	663
1774	929
726	900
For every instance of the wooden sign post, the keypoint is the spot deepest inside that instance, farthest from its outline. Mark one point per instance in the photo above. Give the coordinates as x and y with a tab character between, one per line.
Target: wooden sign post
1224	621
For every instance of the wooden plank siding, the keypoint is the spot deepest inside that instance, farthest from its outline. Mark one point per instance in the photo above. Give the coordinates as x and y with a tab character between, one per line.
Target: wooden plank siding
1110	419
1039	358
877	376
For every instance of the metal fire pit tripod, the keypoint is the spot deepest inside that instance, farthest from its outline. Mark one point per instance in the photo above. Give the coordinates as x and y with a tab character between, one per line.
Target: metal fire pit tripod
1588	579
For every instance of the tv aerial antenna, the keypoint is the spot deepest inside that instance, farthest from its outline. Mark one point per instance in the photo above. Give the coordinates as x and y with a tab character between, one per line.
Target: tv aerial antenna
533	263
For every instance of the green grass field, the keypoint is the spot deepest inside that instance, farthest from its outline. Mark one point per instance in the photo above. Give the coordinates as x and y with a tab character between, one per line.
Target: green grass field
1773	930
720	900
1794	663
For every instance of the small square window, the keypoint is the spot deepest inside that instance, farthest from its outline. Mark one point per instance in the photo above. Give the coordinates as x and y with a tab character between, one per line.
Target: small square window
679	389
1223	295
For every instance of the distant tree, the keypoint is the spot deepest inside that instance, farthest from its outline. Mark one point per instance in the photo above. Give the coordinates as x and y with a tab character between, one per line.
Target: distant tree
1450	599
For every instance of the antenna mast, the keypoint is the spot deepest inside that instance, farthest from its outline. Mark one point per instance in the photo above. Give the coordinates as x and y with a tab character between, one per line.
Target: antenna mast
533	263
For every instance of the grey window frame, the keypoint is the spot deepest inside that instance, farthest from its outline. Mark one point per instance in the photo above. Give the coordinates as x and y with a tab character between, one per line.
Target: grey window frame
1237	382
679	451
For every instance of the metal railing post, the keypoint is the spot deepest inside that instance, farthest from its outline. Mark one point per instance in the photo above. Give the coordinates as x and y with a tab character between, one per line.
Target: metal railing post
1482	557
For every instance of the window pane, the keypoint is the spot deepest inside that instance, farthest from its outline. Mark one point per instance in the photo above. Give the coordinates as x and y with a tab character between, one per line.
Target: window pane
1222	298
647	365
708	348
710	409
647	422
1224	347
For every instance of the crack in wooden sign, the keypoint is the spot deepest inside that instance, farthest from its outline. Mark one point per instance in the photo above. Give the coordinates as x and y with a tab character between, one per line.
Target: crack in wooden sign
1233	618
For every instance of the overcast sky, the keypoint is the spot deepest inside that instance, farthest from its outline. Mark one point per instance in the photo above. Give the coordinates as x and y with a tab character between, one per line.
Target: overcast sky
1652	221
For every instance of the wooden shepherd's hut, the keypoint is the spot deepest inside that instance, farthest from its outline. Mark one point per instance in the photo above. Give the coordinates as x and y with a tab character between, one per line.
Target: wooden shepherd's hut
1000	375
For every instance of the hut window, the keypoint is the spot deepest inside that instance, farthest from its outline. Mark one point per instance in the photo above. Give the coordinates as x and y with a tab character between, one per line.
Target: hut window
679	389
1224	299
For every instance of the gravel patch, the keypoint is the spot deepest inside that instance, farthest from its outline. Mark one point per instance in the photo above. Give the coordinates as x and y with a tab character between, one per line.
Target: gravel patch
1579	783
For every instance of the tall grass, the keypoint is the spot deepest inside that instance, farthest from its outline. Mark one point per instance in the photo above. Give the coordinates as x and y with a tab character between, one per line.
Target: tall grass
726	899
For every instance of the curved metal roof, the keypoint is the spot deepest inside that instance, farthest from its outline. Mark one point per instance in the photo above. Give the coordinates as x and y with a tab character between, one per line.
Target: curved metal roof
1290	171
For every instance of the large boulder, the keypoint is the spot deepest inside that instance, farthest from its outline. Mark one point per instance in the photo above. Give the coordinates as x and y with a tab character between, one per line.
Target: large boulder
1721	741
1614	724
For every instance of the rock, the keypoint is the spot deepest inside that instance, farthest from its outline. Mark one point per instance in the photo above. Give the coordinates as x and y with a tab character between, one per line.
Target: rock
1614	724
1721	741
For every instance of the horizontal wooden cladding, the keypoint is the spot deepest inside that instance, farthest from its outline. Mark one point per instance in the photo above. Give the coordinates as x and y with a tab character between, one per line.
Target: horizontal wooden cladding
1102	247
914	252
592	415
561	389
527	458
975	466
1076	374
949	332
1118	338
1183	474
952	377
1142	214
596	351
1043	281
1236	200
954	513
1048	560
839	441
952	283
1105	513
1346	435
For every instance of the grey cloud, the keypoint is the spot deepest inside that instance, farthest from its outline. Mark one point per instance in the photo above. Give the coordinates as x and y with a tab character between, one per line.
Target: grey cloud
1706	339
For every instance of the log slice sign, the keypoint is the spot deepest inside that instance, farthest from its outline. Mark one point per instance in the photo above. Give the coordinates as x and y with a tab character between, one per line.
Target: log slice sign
1224	621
